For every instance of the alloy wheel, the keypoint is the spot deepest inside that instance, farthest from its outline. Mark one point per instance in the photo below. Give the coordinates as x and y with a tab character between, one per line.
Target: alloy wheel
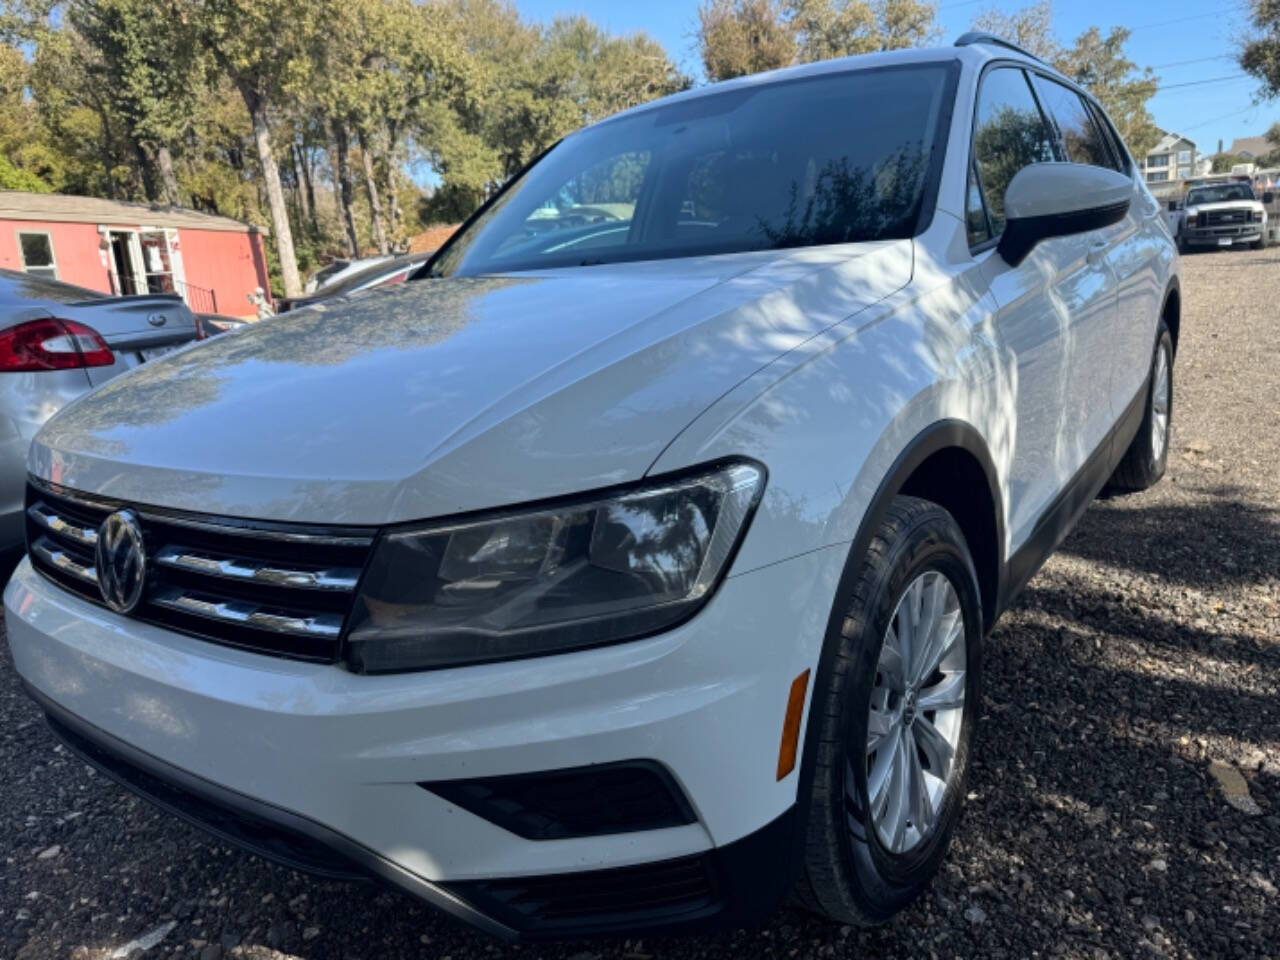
1160	404
916	712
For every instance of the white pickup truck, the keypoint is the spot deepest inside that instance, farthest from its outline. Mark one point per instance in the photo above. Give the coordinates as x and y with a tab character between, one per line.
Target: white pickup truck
1224	214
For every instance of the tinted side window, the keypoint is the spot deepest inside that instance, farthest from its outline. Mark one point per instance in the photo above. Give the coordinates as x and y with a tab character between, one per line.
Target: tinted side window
1009	133
1081	137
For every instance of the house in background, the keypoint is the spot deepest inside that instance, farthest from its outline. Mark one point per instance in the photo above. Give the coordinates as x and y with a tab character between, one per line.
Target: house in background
1174	157
1251	148
215	263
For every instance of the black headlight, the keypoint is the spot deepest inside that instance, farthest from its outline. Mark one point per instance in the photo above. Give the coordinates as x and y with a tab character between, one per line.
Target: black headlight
590	571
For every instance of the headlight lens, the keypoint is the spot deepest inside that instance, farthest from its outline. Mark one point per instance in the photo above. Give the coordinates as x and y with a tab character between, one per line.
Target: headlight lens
594	571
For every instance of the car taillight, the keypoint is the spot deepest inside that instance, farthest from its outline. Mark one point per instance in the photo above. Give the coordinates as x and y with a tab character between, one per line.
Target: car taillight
52	344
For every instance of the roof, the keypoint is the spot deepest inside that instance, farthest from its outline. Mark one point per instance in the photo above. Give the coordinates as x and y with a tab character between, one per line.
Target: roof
431	239
62	208
1254	146
1168	141
974	52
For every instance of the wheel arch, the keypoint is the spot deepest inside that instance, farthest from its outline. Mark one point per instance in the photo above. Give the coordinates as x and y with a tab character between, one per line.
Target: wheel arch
920	470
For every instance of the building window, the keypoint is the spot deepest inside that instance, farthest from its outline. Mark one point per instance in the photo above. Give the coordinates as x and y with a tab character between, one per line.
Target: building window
1184	157
1158	160
37	254
1184	172
1159	176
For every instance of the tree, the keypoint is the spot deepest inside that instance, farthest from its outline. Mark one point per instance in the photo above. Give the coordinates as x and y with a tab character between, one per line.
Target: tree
260	46
1030	28
739	37
1259	51
147	70
1099	64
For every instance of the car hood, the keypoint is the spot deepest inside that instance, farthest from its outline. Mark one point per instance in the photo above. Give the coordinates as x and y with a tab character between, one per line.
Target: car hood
457	394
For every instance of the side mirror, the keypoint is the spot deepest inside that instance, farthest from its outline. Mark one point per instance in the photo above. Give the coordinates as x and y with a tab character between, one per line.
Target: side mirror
1046	200
1268	197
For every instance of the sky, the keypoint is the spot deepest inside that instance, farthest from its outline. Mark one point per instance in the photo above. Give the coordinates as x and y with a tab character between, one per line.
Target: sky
1167	35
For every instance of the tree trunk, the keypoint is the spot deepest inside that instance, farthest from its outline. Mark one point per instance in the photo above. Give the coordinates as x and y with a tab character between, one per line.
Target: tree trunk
375	204
304	201
393	188
344	187
275	193
168	179
144	169
304	164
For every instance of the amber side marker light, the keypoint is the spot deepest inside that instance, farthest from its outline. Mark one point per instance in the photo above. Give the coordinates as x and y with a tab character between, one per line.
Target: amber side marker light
791	725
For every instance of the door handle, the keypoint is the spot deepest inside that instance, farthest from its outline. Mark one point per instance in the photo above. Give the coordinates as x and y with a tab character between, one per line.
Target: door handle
1097	250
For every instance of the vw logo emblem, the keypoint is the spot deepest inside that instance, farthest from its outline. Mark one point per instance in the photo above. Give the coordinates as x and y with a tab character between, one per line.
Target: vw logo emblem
121	561
157	319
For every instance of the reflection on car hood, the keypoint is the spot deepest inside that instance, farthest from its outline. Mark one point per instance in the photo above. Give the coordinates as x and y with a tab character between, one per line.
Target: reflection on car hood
455	394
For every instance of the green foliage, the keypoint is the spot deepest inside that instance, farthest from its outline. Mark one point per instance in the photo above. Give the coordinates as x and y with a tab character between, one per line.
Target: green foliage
1096	62
1259	50
738	37
13	178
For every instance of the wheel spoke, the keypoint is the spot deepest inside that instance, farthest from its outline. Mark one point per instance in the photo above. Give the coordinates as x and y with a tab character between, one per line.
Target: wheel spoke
880	777
897	798
921	802
936	748
941	641
890	663
880	726
948	694
933	607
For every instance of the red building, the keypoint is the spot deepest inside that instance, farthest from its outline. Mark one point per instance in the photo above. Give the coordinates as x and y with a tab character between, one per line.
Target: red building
214	262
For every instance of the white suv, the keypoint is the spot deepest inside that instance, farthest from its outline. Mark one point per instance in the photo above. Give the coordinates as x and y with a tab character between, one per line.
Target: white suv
631	566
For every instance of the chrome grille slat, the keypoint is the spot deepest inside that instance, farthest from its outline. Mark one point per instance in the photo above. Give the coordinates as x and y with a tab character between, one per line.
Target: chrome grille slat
338	578
52	522
327	626
274	588
55	557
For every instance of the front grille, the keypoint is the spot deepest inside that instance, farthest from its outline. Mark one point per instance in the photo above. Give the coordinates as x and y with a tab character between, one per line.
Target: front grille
576	802
1212	218
599	901
282	589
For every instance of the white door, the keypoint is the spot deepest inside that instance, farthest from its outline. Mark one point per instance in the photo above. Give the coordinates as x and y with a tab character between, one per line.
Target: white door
1053	309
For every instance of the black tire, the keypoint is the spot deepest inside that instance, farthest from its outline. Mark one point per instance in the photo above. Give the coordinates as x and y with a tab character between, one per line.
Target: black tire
1259	244
1145	461
1183	247
848	874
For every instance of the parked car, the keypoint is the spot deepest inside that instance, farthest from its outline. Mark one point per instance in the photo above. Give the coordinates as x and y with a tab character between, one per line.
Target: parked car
212	324
385	273
57	342
338	270
626	575
1222	214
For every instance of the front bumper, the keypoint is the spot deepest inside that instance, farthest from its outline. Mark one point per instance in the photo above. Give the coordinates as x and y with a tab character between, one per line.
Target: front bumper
1222	236
312	750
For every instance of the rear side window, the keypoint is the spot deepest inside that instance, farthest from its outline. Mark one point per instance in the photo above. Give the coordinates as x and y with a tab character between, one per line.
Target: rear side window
1081	137
37	255
1009	133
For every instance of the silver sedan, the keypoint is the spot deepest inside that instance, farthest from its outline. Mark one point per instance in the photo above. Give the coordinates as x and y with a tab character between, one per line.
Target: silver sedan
57	342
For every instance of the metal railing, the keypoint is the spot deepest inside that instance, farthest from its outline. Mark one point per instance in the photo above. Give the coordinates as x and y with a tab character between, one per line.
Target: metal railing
199	299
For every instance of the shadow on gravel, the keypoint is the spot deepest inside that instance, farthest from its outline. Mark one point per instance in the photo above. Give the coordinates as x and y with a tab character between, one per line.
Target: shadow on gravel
1206	544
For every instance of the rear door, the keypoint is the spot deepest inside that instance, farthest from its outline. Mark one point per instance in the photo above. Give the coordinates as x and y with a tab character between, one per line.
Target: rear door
1053	308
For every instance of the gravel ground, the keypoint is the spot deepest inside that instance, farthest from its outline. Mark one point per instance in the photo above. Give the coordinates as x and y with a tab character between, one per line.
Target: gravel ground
1126	792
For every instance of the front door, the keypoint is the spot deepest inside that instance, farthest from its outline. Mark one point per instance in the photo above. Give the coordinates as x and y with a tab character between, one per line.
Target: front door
1053	309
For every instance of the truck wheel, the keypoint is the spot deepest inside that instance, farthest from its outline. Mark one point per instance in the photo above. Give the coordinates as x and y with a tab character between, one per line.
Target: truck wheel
1145	461
1183	247
896	717
1260	243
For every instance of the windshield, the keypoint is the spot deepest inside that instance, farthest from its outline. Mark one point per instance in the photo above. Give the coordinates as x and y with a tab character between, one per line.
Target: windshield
830	159
1220	193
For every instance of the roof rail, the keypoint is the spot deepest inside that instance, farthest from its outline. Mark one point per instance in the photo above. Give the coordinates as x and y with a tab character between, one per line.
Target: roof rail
981	36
